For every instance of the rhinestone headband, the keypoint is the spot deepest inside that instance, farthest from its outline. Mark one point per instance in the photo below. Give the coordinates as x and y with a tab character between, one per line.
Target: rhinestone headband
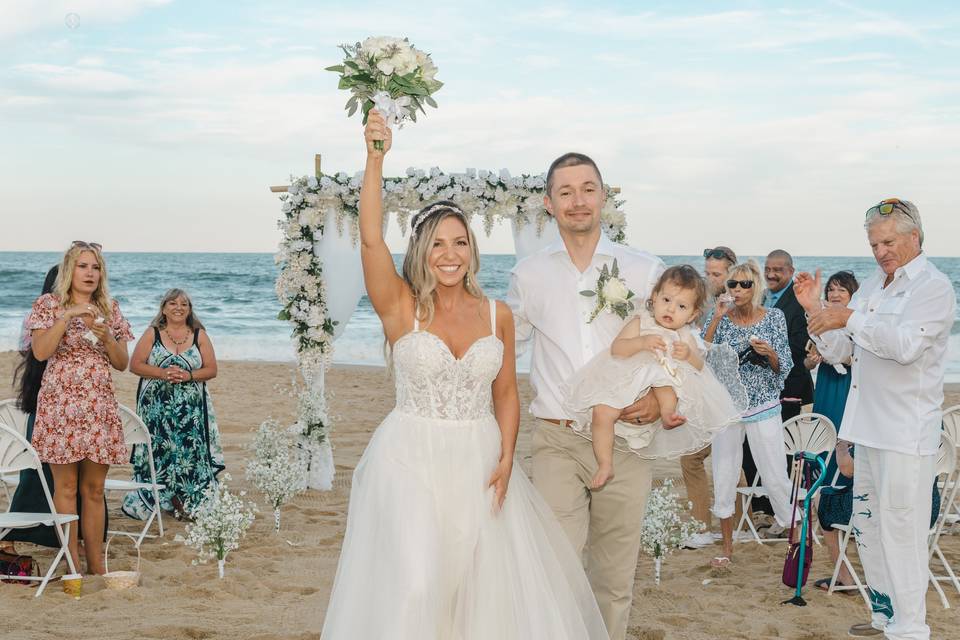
429	211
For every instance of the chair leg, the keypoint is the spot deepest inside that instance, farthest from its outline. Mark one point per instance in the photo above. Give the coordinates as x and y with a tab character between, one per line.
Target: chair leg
840	558
745	519
938	588
946	565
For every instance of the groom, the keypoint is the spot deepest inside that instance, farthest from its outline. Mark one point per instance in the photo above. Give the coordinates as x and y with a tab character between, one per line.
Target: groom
604	525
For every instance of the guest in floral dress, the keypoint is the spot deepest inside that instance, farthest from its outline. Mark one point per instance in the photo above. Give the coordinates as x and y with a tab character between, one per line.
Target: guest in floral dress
760	335
174	358
79	331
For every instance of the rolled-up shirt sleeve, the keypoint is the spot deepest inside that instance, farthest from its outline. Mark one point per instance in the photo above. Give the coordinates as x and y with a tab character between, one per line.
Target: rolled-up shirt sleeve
917	321
522	326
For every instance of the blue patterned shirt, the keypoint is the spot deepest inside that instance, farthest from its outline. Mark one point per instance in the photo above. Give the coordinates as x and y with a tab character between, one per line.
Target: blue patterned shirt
763	385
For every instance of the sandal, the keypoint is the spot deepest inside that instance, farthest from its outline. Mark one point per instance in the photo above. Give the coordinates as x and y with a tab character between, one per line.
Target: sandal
720	562
824	585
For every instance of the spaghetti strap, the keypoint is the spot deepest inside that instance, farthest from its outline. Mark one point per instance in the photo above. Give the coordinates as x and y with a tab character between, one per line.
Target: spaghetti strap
493	316
156	336
416	319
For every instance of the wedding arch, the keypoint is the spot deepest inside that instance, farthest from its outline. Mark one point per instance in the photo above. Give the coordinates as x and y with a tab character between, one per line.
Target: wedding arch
319	225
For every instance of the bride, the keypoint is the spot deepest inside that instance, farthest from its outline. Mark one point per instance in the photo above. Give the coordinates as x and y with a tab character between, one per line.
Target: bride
436	548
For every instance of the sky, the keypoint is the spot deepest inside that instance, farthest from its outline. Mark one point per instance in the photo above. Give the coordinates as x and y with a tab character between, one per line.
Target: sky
159	125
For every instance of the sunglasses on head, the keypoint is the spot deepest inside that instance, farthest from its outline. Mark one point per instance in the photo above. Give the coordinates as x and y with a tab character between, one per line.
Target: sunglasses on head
717	254
96	246
744	284
888	206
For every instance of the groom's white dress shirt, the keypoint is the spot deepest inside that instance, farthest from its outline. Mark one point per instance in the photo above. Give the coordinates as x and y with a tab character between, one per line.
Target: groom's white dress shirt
550	312
897	338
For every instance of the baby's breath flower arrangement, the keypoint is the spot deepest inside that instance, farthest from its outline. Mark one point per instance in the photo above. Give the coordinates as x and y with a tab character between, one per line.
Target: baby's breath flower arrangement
664	528
276	469
220	521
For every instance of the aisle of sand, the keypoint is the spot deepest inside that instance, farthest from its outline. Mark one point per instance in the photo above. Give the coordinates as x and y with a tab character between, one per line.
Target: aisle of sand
277	585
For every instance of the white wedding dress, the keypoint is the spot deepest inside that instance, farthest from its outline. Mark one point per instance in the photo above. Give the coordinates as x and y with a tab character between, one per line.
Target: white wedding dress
425	556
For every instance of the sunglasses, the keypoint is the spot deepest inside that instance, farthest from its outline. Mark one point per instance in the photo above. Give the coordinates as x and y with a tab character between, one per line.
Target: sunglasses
717	254
744	284
888	206
96	246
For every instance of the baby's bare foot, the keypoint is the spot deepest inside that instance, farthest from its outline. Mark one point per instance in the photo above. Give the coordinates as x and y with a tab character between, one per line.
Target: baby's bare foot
672	420
603	475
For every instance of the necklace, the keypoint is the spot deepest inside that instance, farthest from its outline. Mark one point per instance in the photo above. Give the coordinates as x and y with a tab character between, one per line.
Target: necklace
176	342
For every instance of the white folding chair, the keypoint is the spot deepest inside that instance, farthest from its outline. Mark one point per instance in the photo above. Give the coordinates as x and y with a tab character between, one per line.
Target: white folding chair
11	416
136	433
16	454
951	426
946	466
811	432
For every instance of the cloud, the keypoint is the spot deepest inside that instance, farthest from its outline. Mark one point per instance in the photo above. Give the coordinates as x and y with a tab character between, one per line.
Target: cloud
76	78
19	17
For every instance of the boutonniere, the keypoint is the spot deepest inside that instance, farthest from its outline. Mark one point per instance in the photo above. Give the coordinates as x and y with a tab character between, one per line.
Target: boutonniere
612	293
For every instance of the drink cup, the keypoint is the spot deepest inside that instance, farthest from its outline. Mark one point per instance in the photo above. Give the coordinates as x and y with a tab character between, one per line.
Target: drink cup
71	584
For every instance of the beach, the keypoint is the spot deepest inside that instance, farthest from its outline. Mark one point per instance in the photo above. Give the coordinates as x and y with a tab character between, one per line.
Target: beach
277	585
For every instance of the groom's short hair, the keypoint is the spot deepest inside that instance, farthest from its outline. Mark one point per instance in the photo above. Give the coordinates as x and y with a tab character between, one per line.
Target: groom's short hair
570	159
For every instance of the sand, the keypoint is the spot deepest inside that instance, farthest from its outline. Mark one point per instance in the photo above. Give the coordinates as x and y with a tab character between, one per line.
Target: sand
277	586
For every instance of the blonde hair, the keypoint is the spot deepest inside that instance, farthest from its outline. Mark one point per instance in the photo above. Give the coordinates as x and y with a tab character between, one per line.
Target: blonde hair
64	285
416	262
751	269
160	321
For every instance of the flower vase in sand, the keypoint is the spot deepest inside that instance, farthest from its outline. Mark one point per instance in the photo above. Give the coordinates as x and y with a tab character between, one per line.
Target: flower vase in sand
388	74
664	530
220	521
276	469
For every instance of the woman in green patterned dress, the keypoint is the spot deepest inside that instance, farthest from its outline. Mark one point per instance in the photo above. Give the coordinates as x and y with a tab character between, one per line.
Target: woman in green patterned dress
174	358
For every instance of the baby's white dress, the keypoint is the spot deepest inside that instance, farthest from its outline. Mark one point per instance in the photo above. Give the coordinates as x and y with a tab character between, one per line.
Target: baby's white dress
709	399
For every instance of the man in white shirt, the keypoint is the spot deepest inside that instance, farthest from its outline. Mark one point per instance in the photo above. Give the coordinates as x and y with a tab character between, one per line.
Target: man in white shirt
551	313
895	329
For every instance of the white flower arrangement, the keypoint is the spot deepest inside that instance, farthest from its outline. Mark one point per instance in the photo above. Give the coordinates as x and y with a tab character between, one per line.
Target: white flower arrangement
220	521
389	74
664	528
275	468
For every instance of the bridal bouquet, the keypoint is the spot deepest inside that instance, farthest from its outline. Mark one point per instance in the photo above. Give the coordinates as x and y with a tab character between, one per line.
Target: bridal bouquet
276	469
219	522
664	530
612	293
389	74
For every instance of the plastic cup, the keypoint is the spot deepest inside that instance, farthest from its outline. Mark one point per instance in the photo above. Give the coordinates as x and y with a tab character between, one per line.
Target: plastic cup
71	584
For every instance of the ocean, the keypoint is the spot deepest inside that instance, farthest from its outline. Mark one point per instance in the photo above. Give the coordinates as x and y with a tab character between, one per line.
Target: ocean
234	297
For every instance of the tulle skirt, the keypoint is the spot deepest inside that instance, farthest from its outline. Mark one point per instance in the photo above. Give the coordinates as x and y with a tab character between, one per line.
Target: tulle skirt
706	403
426	556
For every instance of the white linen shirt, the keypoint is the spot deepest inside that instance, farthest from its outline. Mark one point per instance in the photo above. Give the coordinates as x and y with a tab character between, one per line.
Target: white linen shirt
897	339
549	312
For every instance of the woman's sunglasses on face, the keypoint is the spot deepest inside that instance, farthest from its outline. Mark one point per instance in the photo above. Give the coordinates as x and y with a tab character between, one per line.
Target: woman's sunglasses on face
744	284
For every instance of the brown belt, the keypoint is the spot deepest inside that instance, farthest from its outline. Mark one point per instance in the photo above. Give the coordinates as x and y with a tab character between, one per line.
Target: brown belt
559	423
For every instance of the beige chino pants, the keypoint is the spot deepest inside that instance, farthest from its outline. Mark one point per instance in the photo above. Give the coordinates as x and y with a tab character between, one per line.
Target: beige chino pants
604	526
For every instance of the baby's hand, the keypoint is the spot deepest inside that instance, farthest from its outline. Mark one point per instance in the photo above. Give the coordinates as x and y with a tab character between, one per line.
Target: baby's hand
653	343
681	350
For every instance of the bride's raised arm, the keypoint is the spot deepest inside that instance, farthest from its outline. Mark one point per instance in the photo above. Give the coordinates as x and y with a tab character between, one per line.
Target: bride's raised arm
385	287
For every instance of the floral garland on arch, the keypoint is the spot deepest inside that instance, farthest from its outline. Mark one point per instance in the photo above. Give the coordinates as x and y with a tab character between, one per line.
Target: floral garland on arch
488	194
300	285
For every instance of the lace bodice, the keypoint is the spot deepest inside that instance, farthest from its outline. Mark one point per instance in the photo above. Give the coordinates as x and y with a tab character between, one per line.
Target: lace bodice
432	383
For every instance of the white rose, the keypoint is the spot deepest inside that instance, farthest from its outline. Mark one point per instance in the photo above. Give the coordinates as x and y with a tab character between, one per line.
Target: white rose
614	291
